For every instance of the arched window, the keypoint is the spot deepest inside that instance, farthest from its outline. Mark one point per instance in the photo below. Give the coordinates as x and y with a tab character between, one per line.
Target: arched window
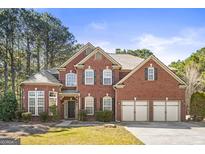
89	105
107	103
71	80
107	77
89	76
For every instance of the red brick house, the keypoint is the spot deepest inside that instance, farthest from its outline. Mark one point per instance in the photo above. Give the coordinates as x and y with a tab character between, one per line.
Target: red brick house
133	88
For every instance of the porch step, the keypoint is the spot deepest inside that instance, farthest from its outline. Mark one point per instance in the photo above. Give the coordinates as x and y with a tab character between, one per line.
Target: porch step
64	123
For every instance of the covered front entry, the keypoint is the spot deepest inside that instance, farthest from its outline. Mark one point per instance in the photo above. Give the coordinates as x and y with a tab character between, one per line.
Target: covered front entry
69	109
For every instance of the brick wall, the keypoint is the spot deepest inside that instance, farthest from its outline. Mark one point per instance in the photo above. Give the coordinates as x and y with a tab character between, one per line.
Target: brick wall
137	86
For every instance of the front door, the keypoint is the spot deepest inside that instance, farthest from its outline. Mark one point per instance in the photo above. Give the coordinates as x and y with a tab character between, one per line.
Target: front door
71	109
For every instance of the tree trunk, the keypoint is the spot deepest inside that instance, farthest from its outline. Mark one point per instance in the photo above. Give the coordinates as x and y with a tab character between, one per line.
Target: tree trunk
38	56
5	76
47	53
13	73
6	69
28	58
51	58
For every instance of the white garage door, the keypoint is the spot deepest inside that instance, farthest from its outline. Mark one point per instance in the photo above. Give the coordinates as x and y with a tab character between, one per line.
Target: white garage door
128	111
166	111
134	111
141	111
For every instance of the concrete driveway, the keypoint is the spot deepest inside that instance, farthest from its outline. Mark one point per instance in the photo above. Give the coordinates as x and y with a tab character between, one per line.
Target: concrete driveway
171	133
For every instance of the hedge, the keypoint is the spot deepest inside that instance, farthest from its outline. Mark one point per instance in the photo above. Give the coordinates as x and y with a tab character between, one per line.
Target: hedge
197	105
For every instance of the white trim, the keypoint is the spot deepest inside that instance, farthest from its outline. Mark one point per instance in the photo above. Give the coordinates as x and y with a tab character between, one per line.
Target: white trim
104	71
91	98
144	62
107	97
88	45
98	49
75	78
93	77
49	97
148	73
41	83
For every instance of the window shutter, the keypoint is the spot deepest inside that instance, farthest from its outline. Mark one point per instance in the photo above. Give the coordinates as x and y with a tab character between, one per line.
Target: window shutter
83	77
94	77
146	73
101	77
113	108
82	103
155	73
101	104
113	77
95	105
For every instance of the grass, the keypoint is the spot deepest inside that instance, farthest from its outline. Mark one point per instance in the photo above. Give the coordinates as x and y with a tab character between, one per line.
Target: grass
97	135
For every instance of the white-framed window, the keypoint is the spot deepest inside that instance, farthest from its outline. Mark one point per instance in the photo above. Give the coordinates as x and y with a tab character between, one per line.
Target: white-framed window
107	77
89	105
71	80
52	98
107	103
36	102
150	73
89	77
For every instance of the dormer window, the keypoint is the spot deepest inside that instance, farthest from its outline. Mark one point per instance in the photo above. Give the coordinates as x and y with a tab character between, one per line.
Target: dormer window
89	76
150	73
71	80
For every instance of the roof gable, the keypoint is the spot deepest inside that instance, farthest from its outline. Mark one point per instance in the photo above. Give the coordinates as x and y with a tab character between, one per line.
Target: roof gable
83	48
162	65
98	49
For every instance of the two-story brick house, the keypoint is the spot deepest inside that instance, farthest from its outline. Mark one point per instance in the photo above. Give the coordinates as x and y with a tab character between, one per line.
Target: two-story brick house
133	88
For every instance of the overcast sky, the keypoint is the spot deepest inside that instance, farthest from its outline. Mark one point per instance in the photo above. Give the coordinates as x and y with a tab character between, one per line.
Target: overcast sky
171	34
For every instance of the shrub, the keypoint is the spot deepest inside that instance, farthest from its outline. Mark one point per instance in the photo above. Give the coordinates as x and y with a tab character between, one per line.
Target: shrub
44	116
19	115
53	112
26	116
197	106
82	115
104	116
8	106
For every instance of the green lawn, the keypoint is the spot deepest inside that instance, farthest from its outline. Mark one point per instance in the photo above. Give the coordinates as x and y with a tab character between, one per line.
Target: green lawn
83	135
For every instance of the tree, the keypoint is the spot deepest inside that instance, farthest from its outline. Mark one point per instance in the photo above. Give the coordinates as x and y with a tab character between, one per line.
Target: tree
193	79
142	53
29	41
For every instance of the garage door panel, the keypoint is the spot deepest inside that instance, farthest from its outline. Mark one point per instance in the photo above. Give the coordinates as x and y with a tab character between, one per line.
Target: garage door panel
141	113
159	113
128	103
141	103
159	103
171	108
172	113
174	103
128	113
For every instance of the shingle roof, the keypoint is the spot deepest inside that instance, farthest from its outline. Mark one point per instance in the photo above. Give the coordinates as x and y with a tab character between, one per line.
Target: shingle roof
127	61
70	91
42	77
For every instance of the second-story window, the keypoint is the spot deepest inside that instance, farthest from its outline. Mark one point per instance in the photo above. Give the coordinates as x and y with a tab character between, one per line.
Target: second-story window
107	77
150	73
71	80
89	77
